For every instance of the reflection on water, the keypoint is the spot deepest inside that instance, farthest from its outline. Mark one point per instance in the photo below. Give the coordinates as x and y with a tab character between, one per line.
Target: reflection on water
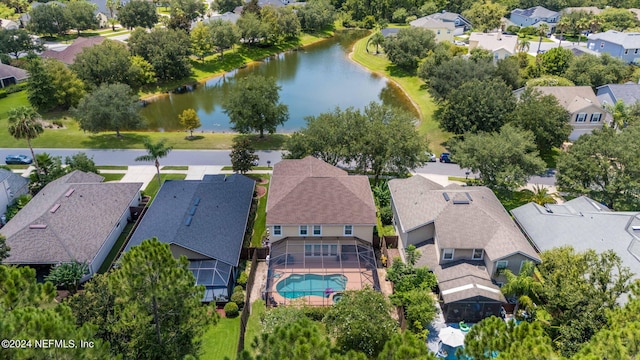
313	80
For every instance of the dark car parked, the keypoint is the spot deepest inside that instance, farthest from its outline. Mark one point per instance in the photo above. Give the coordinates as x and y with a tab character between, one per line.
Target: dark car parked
445	158
18	159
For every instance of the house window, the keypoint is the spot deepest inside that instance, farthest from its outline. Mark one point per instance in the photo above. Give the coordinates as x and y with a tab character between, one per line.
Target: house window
316	249
502	264
308	250
595	117
317	230
447	254
277	230
449	32
522	265
333	250
581	117
626	51
601	44
478	254
348	230
438	32
635	51
303	230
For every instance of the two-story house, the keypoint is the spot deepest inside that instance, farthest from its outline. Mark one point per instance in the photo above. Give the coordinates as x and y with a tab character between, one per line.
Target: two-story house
628	94
586	112
500	45
624	46
321	222
443	30
534	16
465	237
460	23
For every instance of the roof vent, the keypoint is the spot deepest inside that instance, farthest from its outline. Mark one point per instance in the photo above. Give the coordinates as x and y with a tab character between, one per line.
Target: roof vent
54	208
461	201
196	201
192	211
69	192
188	221
635	228
469	196
446	196
38	226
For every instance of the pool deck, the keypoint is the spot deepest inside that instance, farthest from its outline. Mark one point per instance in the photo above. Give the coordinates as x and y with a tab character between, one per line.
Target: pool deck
356	280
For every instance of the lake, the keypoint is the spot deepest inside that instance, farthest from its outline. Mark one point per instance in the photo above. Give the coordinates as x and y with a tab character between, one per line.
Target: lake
314	80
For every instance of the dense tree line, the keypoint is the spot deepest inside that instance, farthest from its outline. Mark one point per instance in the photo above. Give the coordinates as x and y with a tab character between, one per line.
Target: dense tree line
57	18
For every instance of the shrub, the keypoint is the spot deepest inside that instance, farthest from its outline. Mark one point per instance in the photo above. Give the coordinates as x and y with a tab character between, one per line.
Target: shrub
399	16
231	310
386	215
57	123
3	94
238	296
315	313
242	280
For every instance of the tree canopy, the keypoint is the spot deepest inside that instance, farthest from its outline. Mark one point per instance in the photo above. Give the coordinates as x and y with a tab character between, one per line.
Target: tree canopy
111	107
242	155
138	13
50	18
486	16
166	49
253	104
18	41
53	85
505	159
604	166
409	46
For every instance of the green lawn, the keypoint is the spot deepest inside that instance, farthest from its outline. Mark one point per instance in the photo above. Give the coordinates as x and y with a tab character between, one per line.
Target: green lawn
17	167
172	167
413	86
152	188
112	167
115	249
254	327
221	340
260	222
112	177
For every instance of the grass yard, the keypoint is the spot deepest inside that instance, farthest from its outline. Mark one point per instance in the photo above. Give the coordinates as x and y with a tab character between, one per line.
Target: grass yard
16	167
221	340
513	199
112	177
260	222
152	188
413	86
174	167
254	327
116	248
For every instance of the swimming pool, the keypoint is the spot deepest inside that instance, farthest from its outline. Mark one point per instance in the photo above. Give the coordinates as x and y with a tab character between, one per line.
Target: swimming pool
299	285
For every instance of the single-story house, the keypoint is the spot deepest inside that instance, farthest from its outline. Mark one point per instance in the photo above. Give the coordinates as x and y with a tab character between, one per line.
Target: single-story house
320	221
442	29
584	224
68	55
460	23
586	113
10	75
12	186
465	237
621	45
500	45
610	94
206	221
74	218
534	16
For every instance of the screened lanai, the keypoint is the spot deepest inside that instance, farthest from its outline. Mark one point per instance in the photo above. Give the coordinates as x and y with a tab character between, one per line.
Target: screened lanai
214	275
318	271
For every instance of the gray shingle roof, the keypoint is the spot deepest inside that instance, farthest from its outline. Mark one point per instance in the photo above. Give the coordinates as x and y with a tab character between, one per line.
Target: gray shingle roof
536	11
465	218
7	71
218	222
17	183
77	229
310	191
431	23
630	40
583	224
628	93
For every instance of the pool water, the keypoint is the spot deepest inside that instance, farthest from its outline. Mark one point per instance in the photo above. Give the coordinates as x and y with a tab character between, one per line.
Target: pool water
298	285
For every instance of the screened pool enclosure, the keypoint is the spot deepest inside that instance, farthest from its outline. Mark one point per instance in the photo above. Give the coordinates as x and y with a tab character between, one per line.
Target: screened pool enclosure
317	271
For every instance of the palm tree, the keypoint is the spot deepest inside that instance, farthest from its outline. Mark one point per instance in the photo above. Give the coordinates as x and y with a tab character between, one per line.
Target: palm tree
620	113
155	152
376	39
581	25
524	45
563	26
595	23
543	29
541	195
24	124
525	287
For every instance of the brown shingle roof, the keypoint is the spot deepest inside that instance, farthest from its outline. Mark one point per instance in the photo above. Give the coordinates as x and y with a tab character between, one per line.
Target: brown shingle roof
465	218
7	71
572	98
69	54
310	191
78	227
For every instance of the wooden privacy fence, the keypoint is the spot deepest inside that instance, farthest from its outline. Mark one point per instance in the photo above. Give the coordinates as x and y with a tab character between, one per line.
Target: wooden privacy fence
247	253
246	310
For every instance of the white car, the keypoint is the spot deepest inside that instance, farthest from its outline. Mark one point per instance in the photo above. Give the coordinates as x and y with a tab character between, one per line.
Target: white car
431	157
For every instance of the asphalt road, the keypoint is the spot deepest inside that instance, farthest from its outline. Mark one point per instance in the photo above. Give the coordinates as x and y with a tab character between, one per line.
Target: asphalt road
221	157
